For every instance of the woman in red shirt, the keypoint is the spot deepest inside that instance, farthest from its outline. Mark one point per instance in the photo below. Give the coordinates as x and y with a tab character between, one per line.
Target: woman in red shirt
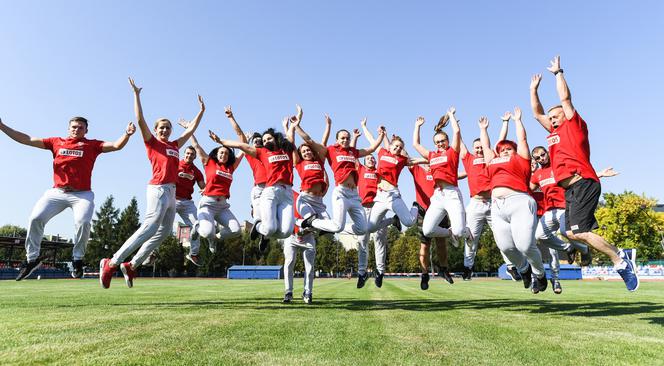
160	213
513	210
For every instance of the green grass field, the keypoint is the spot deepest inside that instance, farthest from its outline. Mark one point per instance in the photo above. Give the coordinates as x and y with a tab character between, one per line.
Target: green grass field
206	321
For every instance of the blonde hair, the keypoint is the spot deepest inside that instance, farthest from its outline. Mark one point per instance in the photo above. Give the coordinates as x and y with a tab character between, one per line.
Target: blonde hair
554	107
156	124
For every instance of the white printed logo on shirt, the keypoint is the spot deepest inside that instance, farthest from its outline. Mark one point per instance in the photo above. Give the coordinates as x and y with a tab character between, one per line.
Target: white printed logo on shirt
429	177
389	159
438	160
341	158
552	140
370	176
186	176
224	174
174	153
478	161
313	166
500	160
276	158
70	152
547	182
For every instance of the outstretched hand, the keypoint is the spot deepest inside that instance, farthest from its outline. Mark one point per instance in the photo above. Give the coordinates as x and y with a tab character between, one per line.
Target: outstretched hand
201	103
484	123
419	121
328	120
450	112
555	65
228	111
214	137
298	115
517	114
506	117
381	130
363	122
183	123
535	81
136	89
357	132
131	128
608	172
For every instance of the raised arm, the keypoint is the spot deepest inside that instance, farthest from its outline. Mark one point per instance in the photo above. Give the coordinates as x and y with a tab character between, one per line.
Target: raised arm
326	133
456	131
199	150
121	142
248	149
238	159
375	145
138	110
356	135
22	138
562	88
521	139
236	127
607	172
484	139
366	131
463	150
193	125
505	127
536	105
415	161
416	138
320	149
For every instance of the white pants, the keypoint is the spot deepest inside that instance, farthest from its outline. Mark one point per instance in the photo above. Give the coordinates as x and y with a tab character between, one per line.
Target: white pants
380	248
53	202
550	256
188	213
514	222
445	201
276	207
478	213
256	192
158	224
212	210
548	226
390	201
308	245
348	200
308	205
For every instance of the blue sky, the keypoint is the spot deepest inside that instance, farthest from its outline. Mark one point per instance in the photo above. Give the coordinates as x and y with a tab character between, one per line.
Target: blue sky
386	60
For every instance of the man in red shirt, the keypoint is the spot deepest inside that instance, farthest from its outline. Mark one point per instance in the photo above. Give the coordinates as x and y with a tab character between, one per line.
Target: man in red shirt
188	176
73	160
569	148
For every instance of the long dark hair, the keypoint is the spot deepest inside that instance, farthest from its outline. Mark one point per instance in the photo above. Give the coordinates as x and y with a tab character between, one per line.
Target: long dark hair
280	141
231	156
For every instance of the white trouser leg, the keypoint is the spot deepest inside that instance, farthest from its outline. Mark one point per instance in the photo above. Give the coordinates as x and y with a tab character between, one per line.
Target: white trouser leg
555	264
276	212
445	201
380	248
478	213
362	251
547	228
309	256
214	210
187	211
289	263
256	192
83	206
308	205
347	200
160	200
285	215
207	211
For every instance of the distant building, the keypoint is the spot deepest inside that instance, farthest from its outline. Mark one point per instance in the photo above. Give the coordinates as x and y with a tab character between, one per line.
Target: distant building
659	207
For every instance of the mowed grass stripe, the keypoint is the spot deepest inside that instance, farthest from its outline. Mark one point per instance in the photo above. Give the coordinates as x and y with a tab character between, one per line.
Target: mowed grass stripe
203	321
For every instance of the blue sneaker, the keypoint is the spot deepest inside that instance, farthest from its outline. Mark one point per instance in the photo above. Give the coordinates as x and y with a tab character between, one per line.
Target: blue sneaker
627	269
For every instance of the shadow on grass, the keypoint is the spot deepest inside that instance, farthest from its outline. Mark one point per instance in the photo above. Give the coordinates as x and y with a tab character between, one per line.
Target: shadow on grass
545	307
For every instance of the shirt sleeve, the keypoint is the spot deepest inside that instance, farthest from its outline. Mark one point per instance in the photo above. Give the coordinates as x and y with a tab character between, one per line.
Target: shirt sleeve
49	142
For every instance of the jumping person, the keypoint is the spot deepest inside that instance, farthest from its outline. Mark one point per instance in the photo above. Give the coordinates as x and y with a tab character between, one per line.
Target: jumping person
213	208
303	239
569	148
513	210
345	199
444	163
160	213
478	211
276	201
73	160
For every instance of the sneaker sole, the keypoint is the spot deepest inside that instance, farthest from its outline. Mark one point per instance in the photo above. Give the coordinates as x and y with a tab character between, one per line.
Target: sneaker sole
632	262
101	268
30	273
130	283
192	261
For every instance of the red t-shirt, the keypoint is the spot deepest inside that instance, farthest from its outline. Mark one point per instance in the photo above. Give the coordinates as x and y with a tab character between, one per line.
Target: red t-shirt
424	185
478	177
367	184
342	161
278	165
257	169
569	149
511	172
444	165
538	196
164	158
218	179
390	166
311	172
554	195
188	175
73	160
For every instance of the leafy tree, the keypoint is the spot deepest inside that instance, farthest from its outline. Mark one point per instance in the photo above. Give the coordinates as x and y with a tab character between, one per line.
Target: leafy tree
127	224
629	221
171	257
103	237
13	231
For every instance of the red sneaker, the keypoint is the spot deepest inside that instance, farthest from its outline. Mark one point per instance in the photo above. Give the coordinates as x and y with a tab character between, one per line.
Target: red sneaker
106	272
129	273
194	260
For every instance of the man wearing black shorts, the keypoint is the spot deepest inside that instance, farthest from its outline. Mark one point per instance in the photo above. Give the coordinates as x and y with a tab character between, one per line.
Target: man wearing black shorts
569	151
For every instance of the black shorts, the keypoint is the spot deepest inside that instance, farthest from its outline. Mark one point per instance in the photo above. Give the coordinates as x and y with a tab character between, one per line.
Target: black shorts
581	200
445	224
